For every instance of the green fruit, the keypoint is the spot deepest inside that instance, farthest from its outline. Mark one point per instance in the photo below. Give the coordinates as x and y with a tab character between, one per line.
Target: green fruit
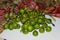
23	20
42	16
15	25
6	26
44	25
36	26
40	21
35	33
21	10
48	29
30	28
11	27
6	15
25	26
41	30
14	15
25	31
48	21
18	19
32	22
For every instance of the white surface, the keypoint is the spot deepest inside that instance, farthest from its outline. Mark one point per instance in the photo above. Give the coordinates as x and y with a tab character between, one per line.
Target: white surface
17	35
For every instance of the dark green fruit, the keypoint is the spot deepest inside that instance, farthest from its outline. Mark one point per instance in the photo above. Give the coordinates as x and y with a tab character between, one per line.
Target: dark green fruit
41	30
35	33
15	25
18	26
48	29
44	25
48	21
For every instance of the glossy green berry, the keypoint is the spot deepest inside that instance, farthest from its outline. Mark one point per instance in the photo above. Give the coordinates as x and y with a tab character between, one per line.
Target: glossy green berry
25	26
40	21
30	28
41	30
48	21
48	29
35	33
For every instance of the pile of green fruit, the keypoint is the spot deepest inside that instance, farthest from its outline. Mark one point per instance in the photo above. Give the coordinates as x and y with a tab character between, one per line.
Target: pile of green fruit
32	21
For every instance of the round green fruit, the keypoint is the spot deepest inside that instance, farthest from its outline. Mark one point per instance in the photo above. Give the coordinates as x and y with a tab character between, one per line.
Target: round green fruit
35	33
41	30
48	29
25	31
30	28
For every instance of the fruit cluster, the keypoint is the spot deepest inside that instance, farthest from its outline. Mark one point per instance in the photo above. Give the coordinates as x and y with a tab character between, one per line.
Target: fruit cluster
32	20
31	14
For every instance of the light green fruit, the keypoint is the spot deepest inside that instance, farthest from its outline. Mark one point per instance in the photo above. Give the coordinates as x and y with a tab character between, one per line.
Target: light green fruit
25	26
6	26
21	10
6	15
11	27
30	28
